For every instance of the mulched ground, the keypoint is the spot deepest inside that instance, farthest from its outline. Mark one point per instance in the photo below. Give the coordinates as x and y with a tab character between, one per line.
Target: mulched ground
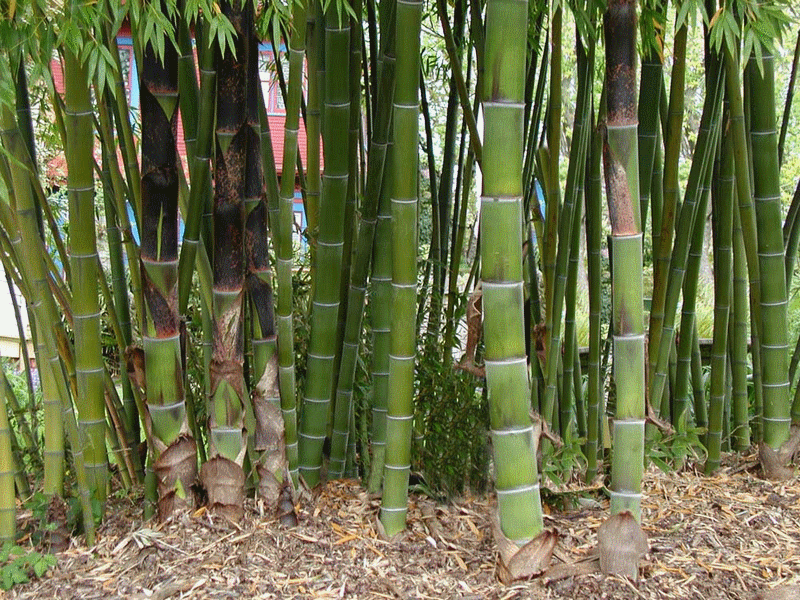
728	536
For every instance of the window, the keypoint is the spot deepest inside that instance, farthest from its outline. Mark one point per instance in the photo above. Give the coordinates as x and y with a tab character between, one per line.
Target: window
270	84
125	54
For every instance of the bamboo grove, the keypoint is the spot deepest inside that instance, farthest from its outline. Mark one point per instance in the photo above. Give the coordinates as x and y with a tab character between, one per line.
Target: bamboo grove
194	341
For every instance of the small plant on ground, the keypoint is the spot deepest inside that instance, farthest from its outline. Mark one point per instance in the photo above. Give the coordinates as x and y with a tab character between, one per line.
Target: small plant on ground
19	565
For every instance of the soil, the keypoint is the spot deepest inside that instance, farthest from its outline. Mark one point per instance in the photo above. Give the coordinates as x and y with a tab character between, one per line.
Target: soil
732	535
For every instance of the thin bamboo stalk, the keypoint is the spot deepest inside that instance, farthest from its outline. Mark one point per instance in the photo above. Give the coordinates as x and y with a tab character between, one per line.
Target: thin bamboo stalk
701	163
380	301
787	107
738	341
8	504
358	276
593	200
662	243
723	202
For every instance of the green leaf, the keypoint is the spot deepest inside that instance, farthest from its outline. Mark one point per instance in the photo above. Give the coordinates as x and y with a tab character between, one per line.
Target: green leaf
40	567
18	575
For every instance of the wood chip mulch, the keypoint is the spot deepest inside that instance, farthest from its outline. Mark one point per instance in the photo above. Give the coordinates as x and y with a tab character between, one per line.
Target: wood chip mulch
728	536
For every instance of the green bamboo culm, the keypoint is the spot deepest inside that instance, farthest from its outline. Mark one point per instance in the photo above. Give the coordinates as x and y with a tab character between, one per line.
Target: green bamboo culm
57	403
282	233
688	328
553	223
662	235
402	338
199	169
313	121
223	475
28	246
620	154
767	197
723	199
594	396
513	444
89	366
649	104
747	219
8	501
702	161
267	428
322	353
738	342
358	278
380	302
569	216
119	285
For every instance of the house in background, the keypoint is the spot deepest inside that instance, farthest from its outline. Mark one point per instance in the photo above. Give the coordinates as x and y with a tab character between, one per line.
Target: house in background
9	334
276	111
10	343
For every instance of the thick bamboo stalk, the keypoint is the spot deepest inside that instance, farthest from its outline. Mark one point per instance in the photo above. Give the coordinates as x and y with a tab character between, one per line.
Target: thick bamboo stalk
773	298
402	337
223	475
322	353
502	91
174	448
747	219
83	262
620	159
